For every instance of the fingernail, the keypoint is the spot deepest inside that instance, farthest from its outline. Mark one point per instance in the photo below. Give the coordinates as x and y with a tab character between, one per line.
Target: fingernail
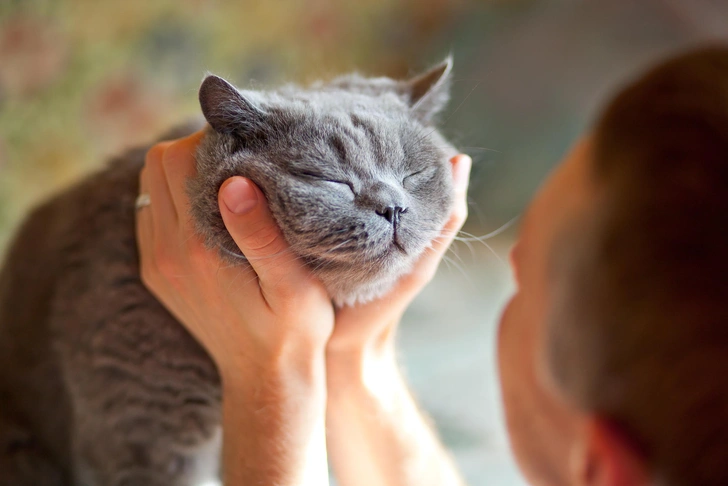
461	172
239	195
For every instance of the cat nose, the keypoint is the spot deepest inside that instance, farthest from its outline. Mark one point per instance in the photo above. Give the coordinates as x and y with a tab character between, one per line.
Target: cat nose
392	213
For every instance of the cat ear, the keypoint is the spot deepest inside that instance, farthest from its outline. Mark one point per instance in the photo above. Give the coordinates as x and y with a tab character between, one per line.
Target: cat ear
429	92
227	110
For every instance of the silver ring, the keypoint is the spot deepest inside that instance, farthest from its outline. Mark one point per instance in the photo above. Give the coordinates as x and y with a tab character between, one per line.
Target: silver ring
142	200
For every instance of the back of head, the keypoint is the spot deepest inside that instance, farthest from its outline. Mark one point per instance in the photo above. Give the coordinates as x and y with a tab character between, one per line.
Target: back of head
639	330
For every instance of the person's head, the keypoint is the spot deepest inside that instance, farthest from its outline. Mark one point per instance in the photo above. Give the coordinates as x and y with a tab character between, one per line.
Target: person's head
613	351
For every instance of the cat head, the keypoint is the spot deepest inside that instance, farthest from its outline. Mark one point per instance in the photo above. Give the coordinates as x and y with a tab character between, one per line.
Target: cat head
354	172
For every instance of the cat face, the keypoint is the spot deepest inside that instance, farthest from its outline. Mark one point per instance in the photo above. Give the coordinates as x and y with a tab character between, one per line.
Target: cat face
354	173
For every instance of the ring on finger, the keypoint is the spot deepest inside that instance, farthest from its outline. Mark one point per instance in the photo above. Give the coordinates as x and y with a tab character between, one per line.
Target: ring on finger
143	200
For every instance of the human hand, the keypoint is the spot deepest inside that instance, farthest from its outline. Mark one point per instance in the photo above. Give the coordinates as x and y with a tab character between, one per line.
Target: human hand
265	326
364	331
258	316
371	416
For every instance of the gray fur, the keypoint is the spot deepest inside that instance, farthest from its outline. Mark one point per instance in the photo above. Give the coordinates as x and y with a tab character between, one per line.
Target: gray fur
99	385
361	133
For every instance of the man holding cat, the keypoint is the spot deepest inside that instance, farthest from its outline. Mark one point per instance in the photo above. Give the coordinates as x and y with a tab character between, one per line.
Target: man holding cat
613	351
272	335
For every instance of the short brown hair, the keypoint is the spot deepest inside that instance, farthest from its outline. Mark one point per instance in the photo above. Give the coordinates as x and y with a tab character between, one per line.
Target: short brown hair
639	333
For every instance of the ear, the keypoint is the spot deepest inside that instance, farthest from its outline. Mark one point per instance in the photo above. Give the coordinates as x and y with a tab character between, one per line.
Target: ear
228	111
605	456
429	92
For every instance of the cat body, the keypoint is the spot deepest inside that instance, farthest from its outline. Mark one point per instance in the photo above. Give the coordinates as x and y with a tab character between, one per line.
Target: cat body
99	384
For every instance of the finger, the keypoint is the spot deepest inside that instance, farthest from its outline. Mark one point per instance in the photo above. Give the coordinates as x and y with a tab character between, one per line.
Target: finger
164	214
461	165
144	224
247	218
179	166
427	266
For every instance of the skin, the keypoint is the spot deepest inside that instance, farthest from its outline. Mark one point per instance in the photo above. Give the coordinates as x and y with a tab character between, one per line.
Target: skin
279	340
554	443
266	328
291	366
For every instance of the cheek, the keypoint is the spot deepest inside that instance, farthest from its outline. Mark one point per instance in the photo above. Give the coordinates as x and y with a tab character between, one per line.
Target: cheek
533	437
505	346
513	373
435	197
307	207
511	370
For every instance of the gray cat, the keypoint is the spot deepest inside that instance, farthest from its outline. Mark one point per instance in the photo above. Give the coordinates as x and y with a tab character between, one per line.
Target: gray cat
99	385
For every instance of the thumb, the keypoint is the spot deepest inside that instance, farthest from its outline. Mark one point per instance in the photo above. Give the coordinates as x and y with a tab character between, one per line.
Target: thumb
248	220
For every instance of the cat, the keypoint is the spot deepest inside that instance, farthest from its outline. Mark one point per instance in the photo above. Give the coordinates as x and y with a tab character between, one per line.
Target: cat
99	385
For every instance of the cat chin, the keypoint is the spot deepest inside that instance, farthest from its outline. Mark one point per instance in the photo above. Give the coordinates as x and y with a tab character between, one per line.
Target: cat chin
361	296
346	288
347	293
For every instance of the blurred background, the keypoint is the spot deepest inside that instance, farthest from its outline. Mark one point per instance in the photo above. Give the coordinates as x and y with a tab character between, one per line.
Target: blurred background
83	79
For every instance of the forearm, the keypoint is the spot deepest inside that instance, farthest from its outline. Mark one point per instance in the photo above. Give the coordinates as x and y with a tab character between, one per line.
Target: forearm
274	427
376	433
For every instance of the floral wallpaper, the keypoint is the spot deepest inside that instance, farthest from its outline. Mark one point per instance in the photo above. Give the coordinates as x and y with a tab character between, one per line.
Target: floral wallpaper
83	79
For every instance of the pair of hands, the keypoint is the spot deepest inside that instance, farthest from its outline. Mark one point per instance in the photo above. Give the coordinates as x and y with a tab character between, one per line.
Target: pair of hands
274	311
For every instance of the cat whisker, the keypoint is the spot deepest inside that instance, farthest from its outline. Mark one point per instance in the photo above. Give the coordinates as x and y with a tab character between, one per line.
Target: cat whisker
330	250
495	253
451	249
481	241
325	240
233	254
322	263
318	266
450	262
447	262
254	277
481	148
469	238
243	257
495	232
243	271
428	134
462	102
344	230
457	267
468	244
472	237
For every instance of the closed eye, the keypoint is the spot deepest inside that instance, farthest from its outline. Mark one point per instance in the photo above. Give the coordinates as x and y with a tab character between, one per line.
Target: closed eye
322	178
419	176
413	174
309	174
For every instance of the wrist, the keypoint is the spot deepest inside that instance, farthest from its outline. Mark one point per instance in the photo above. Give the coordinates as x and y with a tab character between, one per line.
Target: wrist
360	339
279	373
369	370
281	406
